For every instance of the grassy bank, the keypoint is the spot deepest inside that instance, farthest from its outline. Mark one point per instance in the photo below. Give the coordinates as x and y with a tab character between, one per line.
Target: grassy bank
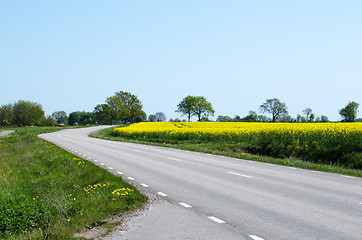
231	149
48	193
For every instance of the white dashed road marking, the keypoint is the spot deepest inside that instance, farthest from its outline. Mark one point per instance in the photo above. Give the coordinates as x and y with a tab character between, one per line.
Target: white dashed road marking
137	151
120	173
255	237
175	159
144	185
162	194
110	168
215	219
131	178
185	205
241	175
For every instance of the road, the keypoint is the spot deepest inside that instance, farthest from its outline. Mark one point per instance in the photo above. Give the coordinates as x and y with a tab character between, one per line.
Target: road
5	133
230	198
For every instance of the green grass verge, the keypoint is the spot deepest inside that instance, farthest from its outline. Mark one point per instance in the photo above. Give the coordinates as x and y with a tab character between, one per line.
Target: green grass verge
48	193
233	150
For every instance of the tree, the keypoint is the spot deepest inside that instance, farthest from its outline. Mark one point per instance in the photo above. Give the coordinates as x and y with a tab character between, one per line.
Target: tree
237	118
6	115
309	114
74	118
186	106
324	118
252	117
87	118
160	117
60	117
48	121
262	118
276	108
81	118
28	113
221	118
349	112
202	108
122	107
104	114
126	107
153	118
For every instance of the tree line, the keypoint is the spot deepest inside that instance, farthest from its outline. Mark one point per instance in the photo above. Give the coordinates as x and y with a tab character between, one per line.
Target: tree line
124	107
201	108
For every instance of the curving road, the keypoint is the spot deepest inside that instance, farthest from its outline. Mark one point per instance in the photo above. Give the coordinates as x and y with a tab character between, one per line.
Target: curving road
214	197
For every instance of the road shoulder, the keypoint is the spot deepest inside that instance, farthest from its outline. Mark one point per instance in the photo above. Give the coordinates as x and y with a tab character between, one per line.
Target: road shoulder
163	221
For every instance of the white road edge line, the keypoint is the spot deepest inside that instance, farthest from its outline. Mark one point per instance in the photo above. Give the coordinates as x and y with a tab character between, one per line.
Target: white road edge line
110	168
347	176
162	194
215	219
255	237
131	178
175	159
102	164
185	205
120	173
144	185
241	175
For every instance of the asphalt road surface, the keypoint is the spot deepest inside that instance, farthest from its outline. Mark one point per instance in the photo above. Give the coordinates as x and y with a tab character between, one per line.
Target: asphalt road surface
214	197
5	133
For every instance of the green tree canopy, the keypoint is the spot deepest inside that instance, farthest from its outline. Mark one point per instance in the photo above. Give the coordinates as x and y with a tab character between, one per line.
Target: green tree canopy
160	116
222	118
122	107
152	118
6	115
60	116
186	107
28	113
195	106
309	115
275	107
202	108
251	117
81	118
349	112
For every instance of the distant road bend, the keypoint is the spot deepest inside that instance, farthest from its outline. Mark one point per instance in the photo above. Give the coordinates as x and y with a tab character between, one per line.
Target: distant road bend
240	199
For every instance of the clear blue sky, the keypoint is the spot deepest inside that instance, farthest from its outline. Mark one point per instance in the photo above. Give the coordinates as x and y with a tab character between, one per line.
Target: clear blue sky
72	55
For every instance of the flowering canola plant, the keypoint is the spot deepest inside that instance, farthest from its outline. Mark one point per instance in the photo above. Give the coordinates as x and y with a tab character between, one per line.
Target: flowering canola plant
240	131
285	139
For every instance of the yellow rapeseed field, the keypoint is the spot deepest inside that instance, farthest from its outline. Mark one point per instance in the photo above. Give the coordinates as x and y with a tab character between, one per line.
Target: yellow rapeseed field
240	131
333	142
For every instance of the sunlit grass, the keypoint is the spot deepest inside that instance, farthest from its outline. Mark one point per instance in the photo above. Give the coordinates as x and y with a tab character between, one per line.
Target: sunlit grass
48	193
